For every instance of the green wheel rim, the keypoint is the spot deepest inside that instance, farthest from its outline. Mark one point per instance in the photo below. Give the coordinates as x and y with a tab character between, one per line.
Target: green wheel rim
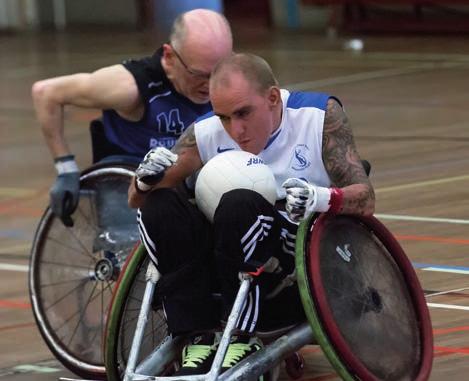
308	302
120	296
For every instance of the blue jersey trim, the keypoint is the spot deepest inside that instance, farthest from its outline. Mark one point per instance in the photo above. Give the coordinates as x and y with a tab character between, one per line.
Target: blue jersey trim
205	116
306	99
272	138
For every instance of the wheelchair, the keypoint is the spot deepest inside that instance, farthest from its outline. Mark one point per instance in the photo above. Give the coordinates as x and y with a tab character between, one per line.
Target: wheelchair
73	270
362	299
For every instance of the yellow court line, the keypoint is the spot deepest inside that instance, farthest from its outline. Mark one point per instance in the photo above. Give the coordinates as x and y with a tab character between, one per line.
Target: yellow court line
22	192
421	184
15	248
16	192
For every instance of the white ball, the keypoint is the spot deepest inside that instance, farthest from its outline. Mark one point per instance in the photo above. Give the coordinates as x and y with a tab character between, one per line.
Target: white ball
232	170
354	44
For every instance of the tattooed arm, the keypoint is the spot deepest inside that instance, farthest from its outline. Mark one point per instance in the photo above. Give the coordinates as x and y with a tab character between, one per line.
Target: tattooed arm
187	163
343	163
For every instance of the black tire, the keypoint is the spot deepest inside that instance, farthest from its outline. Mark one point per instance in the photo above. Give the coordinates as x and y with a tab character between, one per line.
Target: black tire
79	266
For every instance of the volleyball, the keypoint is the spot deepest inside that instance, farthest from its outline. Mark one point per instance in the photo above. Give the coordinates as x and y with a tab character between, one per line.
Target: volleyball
232	170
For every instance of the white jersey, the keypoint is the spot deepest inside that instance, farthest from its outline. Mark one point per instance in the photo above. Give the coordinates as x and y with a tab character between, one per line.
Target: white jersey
293	150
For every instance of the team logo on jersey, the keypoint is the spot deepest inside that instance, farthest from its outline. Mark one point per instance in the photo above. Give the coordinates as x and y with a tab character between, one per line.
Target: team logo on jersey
223	149
254	160
299	160
166	142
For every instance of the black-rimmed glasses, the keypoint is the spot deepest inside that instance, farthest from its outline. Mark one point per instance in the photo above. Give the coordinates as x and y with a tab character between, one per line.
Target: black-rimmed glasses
194	73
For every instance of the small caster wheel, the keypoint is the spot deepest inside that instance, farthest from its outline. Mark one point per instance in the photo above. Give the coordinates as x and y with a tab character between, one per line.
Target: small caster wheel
295	366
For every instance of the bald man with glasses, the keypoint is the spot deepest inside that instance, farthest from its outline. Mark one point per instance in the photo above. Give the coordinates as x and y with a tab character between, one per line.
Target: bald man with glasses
146	103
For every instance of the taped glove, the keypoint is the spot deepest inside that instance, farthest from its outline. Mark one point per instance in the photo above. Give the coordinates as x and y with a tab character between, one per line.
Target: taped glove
304	198
151	169
65	193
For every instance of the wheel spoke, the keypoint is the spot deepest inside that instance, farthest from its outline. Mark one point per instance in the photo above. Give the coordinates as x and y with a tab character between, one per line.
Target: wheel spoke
65	265
62	298
83	311
62	282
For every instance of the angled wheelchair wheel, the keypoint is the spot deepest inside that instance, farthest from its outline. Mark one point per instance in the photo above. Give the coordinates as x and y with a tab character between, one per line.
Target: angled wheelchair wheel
73	270
363	300
123	316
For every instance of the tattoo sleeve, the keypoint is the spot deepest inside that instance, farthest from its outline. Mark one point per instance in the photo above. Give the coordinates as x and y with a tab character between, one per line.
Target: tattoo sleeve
186	140
341	158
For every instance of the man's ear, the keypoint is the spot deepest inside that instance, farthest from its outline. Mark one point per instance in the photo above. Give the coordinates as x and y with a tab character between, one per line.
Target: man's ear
274	96
168	53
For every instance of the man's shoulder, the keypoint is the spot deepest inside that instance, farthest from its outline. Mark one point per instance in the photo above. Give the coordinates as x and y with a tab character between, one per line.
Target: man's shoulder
208	122
302	99
149	75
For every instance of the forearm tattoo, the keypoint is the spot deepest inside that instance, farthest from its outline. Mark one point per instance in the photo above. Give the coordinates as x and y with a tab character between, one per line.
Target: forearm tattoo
186	140
340	155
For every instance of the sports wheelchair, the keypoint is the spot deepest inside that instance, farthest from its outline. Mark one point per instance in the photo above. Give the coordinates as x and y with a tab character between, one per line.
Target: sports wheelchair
362	299
73	270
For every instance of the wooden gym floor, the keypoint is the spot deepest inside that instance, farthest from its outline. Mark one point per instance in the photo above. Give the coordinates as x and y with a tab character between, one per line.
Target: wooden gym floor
407	100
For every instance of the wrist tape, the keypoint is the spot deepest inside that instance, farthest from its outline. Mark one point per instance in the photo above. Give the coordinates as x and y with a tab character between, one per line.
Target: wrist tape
66	164
141	187
328	200
337	200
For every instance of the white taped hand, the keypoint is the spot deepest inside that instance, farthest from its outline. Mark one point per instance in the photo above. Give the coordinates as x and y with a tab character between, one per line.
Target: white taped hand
304	198
151	169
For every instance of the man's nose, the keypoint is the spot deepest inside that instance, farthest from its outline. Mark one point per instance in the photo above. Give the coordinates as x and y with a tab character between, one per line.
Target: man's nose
237	127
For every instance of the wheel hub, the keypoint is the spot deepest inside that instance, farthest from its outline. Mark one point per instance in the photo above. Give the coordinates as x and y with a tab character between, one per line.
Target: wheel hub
104	269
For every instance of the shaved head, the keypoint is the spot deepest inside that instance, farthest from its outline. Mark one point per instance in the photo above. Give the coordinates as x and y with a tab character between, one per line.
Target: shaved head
199	39
253	68
205	28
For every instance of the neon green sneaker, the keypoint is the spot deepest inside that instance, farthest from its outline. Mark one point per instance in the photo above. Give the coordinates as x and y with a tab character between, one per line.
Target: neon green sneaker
239	349
197	357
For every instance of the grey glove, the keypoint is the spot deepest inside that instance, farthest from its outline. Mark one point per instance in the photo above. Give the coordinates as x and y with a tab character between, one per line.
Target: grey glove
151	169
64	196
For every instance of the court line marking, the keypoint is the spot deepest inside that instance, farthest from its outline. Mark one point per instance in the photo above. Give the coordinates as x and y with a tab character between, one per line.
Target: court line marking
398	217
446	292
464	351
10	267
444	331
31	368
15	248
443	268
422	184
448	306
17	192
17	326
367	75
328	55
464	272
11	304
456	241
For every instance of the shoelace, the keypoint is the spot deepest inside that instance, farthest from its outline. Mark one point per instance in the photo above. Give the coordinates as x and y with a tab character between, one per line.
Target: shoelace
196	354
235	353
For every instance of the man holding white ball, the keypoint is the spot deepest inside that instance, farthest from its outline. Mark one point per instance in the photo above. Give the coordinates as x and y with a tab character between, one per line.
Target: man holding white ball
307	142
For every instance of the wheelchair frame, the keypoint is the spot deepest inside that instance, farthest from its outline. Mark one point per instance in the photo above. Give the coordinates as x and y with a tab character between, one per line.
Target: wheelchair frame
282	347
251	368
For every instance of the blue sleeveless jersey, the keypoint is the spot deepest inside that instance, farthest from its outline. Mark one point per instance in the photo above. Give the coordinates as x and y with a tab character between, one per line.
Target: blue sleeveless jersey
167	113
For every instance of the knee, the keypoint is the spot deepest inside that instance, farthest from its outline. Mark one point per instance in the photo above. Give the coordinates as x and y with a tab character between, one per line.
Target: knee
237	200
159	204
